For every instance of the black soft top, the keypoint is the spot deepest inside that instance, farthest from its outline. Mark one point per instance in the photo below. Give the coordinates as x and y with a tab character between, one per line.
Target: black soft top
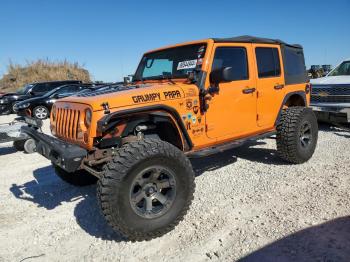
253	39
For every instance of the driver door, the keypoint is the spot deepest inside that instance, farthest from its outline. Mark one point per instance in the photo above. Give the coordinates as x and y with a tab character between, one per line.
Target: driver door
232	111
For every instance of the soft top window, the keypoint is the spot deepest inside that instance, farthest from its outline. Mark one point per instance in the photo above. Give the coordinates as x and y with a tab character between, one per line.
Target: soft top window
294	65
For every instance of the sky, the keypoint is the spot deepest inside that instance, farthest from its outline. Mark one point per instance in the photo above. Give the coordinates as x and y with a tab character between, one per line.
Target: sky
109	37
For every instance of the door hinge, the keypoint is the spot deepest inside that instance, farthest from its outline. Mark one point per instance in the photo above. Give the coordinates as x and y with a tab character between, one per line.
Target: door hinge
257	117
209	127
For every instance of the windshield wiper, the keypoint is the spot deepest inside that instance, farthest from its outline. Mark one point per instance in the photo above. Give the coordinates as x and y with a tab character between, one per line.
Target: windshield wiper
159	77
169	78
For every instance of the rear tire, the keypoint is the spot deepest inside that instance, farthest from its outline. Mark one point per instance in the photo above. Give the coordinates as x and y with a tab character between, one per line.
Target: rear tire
146	189
78	178
297	134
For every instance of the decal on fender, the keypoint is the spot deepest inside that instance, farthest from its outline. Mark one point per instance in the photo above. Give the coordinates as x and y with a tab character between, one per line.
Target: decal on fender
189	104
151	97
146	98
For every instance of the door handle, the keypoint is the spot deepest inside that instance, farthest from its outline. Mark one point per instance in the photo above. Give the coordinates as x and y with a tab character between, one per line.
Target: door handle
248	90
277	87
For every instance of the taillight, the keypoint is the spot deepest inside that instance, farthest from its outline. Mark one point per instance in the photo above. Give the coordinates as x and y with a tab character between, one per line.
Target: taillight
308	88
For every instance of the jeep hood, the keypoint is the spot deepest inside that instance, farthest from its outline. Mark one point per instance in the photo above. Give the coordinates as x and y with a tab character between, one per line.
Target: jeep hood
329	80
148	93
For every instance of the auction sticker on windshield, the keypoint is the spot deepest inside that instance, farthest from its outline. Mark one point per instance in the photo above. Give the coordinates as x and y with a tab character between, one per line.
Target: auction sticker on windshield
187	64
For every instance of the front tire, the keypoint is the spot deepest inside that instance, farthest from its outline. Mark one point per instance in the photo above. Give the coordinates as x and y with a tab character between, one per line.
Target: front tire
41	112
297	134
146	189
78	178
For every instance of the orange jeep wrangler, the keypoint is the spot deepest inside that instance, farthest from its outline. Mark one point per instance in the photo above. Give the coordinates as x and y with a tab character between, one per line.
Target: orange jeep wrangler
187	100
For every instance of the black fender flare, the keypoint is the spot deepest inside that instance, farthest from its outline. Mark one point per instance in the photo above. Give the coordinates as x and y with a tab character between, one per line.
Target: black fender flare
286	97
109	120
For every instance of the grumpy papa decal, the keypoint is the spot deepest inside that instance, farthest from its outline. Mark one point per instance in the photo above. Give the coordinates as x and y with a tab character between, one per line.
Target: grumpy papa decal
151	97
146	98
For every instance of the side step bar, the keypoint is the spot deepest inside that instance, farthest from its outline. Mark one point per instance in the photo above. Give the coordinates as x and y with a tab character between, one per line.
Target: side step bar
226	146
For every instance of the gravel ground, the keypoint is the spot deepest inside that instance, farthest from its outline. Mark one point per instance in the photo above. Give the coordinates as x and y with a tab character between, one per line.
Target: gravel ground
248	206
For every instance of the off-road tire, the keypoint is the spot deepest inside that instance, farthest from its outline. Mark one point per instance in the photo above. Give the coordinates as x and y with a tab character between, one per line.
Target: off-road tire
114	188
19	144
289	128
44	111
78	178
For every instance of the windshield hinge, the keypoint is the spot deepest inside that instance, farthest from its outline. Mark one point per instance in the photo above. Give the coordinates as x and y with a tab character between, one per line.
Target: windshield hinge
105	107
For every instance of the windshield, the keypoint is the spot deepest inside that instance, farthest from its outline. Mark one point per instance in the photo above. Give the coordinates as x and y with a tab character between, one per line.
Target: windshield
25	89
341	70
52	92
170	63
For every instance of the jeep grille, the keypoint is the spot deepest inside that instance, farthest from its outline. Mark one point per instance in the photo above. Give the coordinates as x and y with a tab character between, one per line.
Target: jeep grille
67	123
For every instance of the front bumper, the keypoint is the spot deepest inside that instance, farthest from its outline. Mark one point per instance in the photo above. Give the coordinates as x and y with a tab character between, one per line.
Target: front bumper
65	155
332	112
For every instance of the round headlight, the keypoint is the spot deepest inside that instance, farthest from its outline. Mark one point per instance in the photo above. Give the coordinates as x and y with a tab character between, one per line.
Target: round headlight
88	115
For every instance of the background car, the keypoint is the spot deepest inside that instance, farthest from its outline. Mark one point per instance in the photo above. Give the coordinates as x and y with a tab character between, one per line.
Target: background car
7	101
330	97
40	107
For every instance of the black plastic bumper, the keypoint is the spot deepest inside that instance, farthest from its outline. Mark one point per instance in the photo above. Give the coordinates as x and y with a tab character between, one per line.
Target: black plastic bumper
63	154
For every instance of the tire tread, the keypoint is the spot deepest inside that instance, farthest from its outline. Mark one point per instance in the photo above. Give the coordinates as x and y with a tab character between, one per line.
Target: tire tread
114	172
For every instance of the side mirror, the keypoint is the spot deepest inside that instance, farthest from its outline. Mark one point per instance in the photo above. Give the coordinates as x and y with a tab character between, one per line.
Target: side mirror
126	80
224	74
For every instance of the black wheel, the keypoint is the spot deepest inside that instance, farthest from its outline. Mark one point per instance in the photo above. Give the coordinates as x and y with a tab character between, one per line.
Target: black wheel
19	144
78	178
29	146
146	189
41	112
297	134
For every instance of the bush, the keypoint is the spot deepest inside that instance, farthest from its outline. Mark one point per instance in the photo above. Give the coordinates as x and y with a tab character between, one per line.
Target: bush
40	71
